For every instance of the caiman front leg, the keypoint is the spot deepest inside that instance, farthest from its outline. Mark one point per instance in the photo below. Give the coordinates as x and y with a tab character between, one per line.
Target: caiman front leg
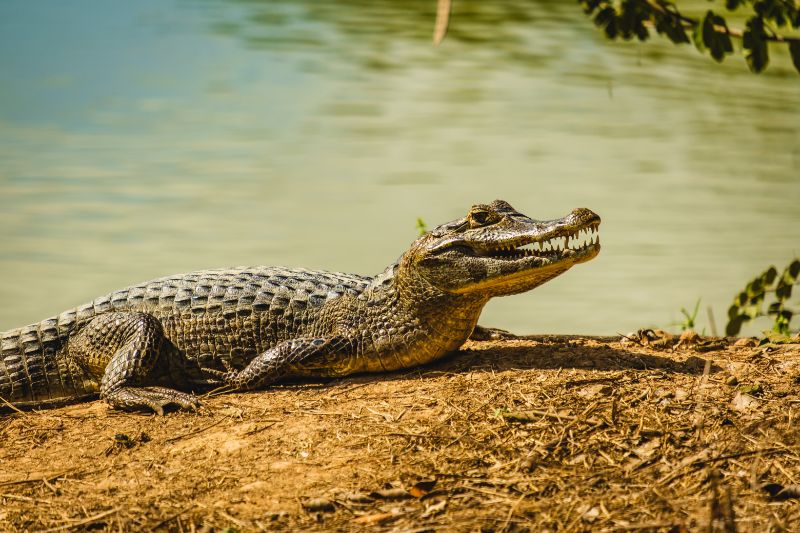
126	347
326	355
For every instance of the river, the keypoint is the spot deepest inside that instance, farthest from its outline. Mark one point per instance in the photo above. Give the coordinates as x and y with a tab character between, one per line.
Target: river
140	139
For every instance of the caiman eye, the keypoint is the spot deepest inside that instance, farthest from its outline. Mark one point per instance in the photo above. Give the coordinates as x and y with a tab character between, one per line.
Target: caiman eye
481	218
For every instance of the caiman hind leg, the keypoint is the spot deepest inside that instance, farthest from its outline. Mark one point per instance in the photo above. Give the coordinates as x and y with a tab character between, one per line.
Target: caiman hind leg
125	348
322	357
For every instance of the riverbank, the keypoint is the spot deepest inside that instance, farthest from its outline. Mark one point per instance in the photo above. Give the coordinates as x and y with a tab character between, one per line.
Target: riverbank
539	433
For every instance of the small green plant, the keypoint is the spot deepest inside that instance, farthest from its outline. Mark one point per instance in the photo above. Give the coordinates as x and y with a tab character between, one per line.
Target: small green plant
749	303
753	389
689	320
422	228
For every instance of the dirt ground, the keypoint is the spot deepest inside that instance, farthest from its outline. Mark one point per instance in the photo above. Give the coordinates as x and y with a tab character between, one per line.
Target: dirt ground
518	434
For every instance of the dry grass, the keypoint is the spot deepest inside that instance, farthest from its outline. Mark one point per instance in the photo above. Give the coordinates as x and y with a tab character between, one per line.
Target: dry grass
538	433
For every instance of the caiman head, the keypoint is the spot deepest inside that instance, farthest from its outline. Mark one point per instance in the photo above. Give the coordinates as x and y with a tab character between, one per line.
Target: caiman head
496	250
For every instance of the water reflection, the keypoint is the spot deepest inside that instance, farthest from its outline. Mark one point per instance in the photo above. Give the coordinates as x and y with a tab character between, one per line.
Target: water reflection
148	138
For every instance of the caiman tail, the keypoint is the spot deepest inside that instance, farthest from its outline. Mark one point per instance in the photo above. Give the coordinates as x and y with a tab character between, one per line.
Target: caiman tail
33	369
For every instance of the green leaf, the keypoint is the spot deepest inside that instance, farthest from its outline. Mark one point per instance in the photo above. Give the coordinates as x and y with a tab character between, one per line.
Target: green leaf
716	40
742	298
755	287
794	269
697	38
773	10
758	59
612	30
754	41
709	34
641	31
589	6
783	291
723	38
794	50
422	228
604	17
756	299
753	389
671	27
782	322
633	14
734	326
769	275
607	19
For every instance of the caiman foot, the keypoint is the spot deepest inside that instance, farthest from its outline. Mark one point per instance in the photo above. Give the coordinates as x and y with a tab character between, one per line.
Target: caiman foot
150	398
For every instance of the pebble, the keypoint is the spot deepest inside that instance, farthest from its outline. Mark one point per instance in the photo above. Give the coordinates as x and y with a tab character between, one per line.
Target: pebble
745	342
319	505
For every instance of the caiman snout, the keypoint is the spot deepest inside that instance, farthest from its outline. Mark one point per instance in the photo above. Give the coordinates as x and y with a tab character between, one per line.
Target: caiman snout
581	216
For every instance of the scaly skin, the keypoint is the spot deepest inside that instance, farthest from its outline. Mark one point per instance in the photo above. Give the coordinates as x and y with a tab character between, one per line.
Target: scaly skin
152	345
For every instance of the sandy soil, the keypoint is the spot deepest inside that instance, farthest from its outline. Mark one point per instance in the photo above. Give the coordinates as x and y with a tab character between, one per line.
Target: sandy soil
536	433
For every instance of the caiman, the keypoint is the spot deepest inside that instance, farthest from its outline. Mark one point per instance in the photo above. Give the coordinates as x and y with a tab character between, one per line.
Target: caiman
156	344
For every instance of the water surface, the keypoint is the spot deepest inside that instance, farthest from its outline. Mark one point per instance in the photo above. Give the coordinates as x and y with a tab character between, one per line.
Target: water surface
140	139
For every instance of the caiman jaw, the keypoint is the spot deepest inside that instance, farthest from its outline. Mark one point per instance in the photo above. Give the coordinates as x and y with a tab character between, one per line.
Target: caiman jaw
551	247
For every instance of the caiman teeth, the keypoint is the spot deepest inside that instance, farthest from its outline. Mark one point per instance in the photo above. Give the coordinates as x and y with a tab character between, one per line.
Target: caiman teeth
556	246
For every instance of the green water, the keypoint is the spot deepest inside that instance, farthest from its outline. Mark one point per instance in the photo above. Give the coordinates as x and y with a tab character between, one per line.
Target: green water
140	139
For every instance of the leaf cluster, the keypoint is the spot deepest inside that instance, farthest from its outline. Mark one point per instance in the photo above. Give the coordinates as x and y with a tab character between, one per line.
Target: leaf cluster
632	18
749	303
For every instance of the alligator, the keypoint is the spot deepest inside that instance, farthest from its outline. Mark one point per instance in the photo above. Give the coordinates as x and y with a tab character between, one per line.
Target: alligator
157	344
